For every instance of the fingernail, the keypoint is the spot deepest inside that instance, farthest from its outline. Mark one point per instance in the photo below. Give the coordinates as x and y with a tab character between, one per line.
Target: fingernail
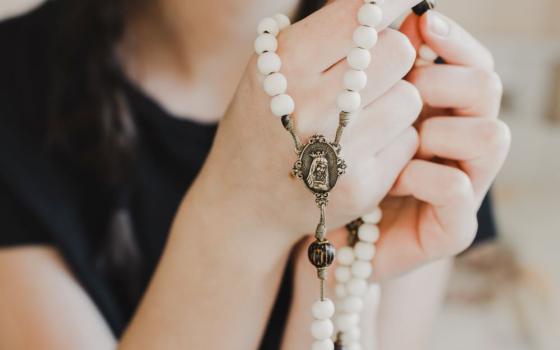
437	24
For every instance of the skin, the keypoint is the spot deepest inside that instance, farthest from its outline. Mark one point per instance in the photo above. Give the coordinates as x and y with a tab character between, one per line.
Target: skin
202	289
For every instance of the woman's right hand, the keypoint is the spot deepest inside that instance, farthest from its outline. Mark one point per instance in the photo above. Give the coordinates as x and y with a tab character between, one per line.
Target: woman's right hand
253	154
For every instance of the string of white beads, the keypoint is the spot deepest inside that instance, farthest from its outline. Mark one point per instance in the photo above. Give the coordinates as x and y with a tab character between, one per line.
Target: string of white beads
269	64
352	273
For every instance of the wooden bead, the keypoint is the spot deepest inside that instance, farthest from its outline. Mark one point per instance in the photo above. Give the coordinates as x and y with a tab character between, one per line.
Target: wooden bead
282	105
349	101
343	274
358	58
340	291
322	329
321	254
345	256
361	269
346	321
365	37
355	80
269	62
370	15
374	217
426	53
354	346
364	251
268	25
265	43
356	286
282	20
352	304
353	335
322	309
325	344
368	233
275	84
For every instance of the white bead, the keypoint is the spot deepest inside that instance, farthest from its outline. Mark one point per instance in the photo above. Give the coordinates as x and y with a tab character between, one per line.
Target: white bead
370	15
356	286
355	80
426	53
265	42
349	101
342	274
368	233
325	344
282	105
358	58
345	322
352	304
351	336
345	256
269	62
361	269
354	346
374	217
282	20
365	37
340	291
364	251
268	25
322	309
322	329
275	84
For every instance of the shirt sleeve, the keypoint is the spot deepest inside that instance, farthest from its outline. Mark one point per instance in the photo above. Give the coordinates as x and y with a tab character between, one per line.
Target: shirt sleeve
486	223
18	224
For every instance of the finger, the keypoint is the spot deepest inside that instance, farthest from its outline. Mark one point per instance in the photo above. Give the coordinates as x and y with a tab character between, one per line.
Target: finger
453	43
468	91
480	145
447	218
391	60
325	37
384	119
369	178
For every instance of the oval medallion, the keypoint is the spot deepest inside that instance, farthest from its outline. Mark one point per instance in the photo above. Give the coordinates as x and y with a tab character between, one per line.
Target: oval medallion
319	165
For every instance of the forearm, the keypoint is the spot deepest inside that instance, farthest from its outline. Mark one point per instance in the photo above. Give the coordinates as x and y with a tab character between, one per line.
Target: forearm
409	305
216	281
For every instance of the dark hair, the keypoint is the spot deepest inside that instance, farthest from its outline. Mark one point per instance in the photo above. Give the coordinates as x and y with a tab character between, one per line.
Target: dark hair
88	120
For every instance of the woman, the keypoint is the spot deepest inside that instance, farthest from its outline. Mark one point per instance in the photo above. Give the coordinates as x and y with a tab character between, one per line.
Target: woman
109	109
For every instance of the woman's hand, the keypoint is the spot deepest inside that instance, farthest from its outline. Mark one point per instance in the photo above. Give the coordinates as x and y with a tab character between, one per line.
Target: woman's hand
252	157
431	211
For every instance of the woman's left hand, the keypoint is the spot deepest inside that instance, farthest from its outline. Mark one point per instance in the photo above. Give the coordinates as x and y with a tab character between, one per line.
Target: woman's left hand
431	210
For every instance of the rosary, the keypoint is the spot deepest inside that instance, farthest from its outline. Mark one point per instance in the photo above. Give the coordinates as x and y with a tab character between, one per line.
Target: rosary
319	164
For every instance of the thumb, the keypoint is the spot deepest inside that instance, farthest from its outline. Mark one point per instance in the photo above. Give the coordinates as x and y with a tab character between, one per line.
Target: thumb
411	28
453	43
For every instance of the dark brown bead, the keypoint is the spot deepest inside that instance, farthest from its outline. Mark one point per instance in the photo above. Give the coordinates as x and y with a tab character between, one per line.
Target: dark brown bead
321	254
423	7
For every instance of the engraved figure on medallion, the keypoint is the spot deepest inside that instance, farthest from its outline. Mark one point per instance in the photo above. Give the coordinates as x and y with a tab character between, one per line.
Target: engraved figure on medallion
318	177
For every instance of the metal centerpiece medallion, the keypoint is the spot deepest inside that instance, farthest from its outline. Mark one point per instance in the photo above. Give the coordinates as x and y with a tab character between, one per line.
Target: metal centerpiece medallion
319	166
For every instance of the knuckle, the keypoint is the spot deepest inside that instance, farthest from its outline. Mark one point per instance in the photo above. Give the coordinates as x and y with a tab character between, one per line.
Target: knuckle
496	134
411	97
404	51
457	187
490	84
464	239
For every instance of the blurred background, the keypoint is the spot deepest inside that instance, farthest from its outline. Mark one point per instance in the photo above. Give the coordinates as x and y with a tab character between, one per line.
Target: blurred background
506	295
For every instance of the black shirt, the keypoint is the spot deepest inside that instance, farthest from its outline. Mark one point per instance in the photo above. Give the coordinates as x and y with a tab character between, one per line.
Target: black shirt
45	201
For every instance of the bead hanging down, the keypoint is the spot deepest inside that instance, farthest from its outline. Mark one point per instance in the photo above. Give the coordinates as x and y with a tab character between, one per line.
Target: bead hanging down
319	164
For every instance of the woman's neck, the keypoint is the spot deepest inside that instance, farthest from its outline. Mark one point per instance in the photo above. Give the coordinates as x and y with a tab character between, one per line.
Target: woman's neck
190	54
